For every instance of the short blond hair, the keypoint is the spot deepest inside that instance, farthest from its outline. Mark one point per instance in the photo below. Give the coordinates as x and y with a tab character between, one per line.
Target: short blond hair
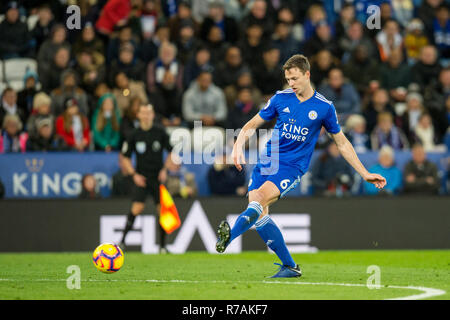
41	99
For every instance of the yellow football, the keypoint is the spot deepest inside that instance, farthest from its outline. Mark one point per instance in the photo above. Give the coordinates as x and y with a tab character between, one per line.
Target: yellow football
108	258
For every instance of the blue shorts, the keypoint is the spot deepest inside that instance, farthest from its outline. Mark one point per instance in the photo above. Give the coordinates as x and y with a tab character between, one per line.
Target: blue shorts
285	178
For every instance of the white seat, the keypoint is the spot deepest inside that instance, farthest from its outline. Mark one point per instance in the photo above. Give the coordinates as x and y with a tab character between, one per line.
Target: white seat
31	21
17	85
2	87
16	68
208	139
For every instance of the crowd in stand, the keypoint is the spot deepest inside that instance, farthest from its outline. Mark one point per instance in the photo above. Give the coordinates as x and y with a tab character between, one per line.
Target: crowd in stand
219	62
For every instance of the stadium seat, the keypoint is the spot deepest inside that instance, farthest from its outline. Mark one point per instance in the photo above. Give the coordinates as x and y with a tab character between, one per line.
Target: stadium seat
207	139
17	85
16	68
32	20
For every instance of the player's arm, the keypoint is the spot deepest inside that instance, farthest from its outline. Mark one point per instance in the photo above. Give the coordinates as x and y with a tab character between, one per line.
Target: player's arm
125	155
348	152
246	132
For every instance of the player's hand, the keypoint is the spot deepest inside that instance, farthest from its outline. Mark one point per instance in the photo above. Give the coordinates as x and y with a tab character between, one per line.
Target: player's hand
238	157
140	180
162	177
376	179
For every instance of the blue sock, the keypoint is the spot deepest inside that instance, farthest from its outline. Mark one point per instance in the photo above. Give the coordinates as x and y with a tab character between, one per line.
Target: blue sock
246	220
271	234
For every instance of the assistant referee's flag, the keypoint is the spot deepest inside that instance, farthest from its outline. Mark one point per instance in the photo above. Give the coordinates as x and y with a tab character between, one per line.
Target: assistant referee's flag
168	216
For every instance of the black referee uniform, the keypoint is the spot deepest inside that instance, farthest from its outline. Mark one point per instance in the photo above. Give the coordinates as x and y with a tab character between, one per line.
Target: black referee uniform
149	147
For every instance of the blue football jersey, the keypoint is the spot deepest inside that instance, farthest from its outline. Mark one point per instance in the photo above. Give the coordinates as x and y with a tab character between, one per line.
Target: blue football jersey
298	127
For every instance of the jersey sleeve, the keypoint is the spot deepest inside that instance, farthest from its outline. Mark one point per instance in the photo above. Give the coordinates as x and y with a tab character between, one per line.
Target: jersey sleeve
128	147
269	111
330	122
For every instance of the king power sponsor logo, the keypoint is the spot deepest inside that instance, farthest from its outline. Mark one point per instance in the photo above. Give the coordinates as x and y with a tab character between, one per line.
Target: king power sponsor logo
294	226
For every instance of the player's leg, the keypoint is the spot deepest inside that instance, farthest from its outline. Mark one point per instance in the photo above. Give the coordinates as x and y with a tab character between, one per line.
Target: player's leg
136	209
258	199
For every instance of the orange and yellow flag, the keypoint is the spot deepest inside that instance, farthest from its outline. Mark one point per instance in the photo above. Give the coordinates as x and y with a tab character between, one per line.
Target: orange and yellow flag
168	216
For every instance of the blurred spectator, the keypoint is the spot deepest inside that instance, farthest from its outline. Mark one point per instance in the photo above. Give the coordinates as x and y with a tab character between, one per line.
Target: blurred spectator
408	121
186	42
122	182
379	103
421	175
73	127
356	133
403	11
229	70
125	90
389	39
361	60
321	64
385	167
12	140
51	77
441	31
89	188
49	48
149	17
216	17
129	63
9	105
16	40
315	14
165	84
150	47
244	80
130	121
415	40
225	179
41	111
201	60
343	94
43	27
322	39
396	76
90	69
283	39
269	77
287	15
216	44
183	15
252	46
354	38
69	89
426	71
26	95
181	183
124	36
106	123
426	12
88	40
331	174
259	15
44	140
386	133
244	109
345	20
204	101
425	133
114	13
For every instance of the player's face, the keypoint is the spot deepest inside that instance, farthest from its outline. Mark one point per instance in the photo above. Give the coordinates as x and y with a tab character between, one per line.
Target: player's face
146	115
297	80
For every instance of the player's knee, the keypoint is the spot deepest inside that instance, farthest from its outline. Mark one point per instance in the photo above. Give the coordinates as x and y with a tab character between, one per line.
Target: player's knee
260	197
137	208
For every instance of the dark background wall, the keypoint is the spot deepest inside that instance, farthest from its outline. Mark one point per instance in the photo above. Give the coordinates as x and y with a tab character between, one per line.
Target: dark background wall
356	223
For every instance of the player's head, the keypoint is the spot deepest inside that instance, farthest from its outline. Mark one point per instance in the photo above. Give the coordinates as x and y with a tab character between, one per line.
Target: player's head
297	73
146	114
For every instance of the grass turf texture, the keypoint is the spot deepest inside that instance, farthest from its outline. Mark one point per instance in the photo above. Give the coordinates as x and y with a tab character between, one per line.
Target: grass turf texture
236	277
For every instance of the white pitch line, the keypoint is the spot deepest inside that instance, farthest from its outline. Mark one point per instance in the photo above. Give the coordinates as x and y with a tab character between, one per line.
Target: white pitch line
426	292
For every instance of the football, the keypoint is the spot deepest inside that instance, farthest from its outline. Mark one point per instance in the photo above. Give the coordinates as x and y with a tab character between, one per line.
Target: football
108	258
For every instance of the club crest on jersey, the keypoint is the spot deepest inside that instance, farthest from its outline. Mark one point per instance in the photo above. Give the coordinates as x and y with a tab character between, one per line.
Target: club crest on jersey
312	115
141	146
156	146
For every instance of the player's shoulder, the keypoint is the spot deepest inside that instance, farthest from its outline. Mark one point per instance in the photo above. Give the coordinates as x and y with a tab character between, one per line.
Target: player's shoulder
320	100
282	95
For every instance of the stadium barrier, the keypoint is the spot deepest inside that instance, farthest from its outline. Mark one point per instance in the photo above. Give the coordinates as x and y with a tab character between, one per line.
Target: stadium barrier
308	224
58	175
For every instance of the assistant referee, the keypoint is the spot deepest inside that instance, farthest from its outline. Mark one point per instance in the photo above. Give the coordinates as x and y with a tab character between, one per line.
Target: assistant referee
148	142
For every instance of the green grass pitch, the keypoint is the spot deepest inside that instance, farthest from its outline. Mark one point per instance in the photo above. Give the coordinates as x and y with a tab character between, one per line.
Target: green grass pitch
326	275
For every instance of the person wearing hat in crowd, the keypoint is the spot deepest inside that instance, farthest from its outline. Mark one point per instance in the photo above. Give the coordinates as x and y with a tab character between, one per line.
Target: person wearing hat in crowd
356	133
69	88
73	127
41	111
44	25
26	95
12	139
45	139
184	15
106	124
16	40
415	39
129	63
88	40
409	119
